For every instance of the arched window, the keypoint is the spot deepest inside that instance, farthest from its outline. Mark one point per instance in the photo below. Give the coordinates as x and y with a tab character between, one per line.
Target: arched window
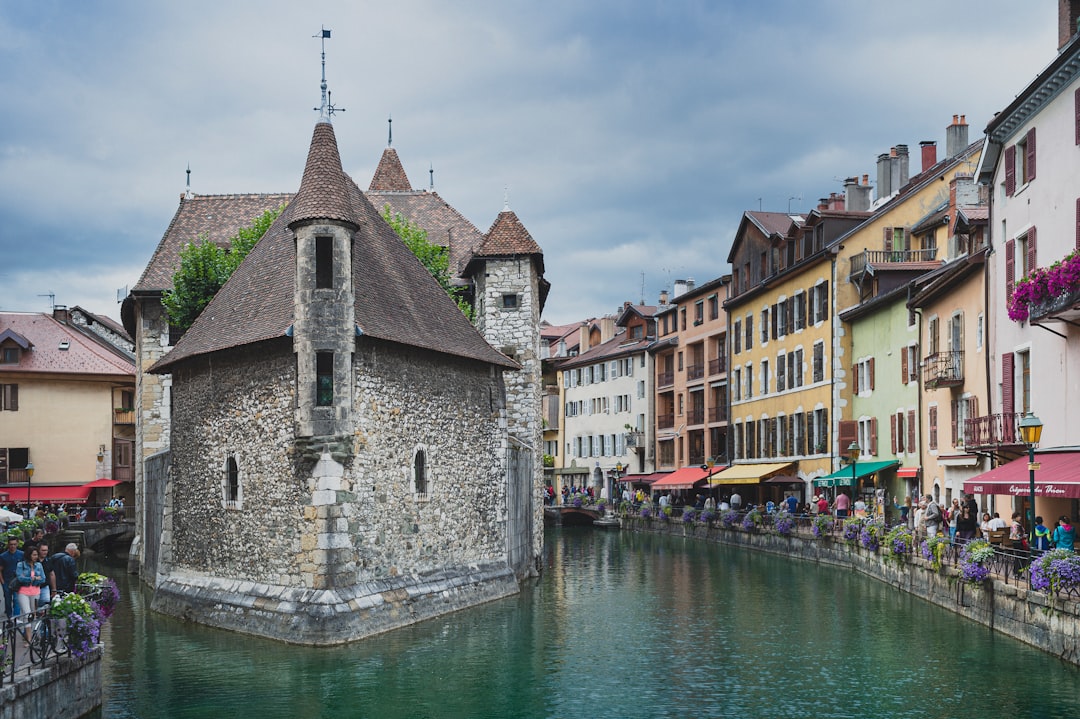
232	482
420	472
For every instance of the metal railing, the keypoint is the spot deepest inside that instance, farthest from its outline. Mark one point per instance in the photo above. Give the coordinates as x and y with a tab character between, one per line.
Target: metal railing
695	371
992	430
884	257
943	369
718	365
665	379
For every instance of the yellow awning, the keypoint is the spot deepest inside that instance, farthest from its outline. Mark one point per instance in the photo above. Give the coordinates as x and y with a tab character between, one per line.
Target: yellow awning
748	473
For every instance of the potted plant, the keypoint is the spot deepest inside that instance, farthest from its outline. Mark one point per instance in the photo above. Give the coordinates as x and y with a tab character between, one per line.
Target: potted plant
973	558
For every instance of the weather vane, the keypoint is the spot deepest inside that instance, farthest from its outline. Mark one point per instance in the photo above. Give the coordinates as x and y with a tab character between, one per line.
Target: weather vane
326	110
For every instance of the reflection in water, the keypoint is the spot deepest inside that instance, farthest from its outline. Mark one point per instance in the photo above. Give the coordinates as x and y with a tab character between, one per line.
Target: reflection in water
620	625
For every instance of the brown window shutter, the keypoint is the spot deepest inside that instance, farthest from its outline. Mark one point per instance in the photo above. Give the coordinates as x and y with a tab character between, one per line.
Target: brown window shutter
873	436
1010	268
1010	170
773	319
892	431
855	374
1032	255
932	421
790	444
872	374
900	431
907	240
847	433
1008	406
1031	154
914	376
886	240
904	365
911	430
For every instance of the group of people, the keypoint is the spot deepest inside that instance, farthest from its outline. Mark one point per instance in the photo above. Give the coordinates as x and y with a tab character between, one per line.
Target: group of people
32	576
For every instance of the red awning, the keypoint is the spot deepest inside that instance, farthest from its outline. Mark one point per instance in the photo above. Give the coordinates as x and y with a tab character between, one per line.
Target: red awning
642	478
1058	475
102	483
70	493
909	472
684	478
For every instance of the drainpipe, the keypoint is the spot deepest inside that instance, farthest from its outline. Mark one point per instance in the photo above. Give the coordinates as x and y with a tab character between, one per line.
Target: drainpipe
986	336
918	335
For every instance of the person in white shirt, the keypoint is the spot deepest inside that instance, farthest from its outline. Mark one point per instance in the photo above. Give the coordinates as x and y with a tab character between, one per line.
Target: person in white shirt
997	523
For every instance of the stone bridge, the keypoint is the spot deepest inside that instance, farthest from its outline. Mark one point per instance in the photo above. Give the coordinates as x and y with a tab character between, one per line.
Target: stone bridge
102	537
569	516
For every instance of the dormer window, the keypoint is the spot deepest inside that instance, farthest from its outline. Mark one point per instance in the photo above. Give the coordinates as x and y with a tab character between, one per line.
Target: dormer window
10	355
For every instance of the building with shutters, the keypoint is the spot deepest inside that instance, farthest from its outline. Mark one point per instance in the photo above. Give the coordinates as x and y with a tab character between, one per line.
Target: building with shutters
1032	167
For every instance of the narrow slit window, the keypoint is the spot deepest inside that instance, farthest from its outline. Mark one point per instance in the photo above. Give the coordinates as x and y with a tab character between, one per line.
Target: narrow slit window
324	379
324	263
420	472
232	481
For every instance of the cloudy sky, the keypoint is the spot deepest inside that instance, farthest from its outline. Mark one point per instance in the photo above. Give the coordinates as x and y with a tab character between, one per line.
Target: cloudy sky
631	134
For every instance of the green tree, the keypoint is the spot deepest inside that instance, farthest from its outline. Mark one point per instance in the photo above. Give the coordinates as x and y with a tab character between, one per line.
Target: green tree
434	257
204	268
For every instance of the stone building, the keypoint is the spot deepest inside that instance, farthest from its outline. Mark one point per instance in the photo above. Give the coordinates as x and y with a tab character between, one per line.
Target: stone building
345	455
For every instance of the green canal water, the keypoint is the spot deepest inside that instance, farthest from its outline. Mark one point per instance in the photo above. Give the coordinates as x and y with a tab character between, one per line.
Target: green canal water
619	625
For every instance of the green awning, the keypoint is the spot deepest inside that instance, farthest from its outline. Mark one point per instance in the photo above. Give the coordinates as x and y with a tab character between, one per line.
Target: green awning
842	477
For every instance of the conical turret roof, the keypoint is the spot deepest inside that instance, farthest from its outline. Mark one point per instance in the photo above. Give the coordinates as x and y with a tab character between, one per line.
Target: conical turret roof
390	175
325	190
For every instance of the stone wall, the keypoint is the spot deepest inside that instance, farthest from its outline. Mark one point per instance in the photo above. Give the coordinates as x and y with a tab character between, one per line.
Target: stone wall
332	548
1047	623
67	688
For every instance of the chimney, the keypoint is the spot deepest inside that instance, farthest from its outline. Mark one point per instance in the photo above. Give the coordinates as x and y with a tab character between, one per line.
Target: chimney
607	328
884	176
663	297
929	154
583	338
690	284
60	314
956	136
1068	15
823	203
856	196
836	201
900	169
680	288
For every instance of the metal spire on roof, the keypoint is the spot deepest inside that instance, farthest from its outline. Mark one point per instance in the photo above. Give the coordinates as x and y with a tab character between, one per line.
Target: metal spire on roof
506	198
431	172
326	109
389	131
187	192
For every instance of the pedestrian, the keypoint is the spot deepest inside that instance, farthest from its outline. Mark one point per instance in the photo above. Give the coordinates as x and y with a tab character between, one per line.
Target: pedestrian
1065	535
65	572
905	509
968	521
46	565
952	515
29	576
792	503
1042	535
843	504
9	560
736	501
823	505
1017	535
933	516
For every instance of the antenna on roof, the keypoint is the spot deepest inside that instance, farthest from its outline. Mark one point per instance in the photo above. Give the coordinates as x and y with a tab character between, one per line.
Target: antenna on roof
789	202
326	109
187	192
52	300
389	130
431	172
642	289
506	198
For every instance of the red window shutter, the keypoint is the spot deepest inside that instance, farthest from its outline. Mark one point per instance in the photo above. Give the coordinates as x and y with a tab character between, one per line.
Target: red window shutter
1031	154
855	372
1078	219
904	365
1031	250
899	431
1076	113
892	431
1010	268
872	374
911	430
873	436
1008	406
886	240
1010	170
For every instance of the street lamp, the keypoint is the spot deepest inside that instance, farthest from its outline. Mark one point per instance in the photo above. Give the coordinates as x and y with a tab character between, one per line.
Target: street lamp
29	476
1030	432
854	450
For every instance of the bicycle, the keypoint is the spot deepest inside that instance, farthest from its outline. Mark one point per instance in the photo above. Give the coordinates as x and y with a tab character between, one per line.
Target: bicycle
45	637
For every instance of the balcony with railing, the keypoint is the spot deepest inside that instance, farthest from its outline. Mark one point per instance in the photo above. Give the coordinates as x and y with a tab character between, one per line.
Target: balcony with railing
123	416
943	369
665	421
696	416
695	371
885	258
718	365
1063	307
635	440
665	379
718	414
992	430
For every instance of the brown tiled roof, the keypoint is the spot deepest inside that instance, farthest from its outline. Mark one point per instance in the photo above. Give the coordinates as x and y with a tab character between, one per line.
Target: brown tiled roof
397	299
215	217
445	226
617	346
508	236
771	223
84	355
389	175
325	192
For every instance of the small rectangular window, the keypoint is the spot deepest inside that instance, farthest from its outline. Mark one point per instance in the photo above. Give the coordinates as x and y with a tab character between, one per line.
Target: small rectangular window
324	262
10	355
510	302
324	379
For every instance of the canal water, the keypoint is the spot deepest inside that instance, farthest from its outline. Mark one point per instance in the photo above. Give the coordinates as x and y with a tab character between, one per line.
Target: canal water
619	625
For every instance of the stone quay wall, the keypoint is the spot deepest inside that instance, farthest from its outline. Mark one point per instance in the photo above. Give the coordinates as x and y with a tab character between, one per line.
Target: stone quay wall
67	688
1045	622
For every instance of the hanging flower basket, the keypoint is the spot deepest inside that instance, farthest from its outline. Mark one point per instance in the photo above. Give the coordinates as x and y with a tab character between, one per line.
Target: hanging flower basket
1046	289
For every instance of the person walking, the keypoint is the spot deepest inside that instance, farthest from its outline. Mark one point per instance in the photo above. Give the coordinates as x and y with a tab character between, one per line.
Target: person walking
64	571
9	560
29	576
933	516
1042	535
952	515
1065	535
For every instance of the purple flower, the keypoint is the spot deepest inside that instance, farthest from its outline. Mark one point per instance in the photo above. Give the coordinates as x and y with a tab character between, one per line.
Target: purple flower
784	524
688	516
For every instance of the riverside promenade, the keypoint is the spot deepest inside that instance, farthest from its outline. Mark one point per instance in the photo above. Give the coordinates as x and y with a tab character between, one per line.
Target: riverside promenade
1004	601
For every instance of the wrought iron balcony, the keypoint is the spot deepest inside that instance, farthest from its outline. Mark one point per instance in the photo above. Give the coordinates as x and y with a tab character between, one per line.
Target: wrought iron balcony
718	365
695	371
665	421
718	414
665	379
992	430
943	369
1063	307
696	416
